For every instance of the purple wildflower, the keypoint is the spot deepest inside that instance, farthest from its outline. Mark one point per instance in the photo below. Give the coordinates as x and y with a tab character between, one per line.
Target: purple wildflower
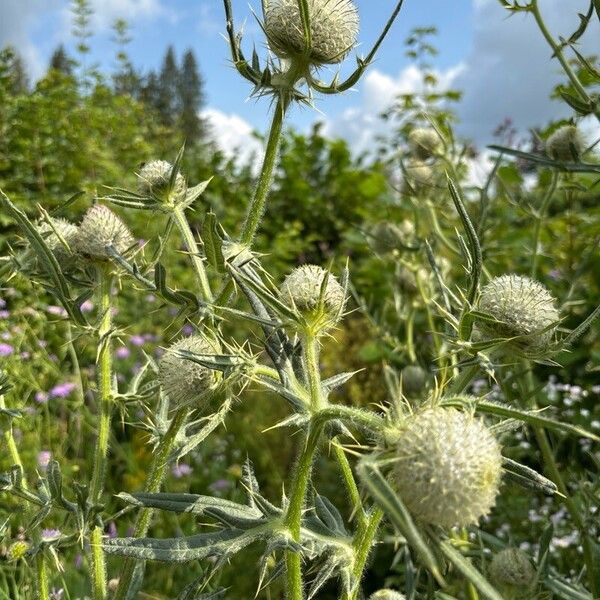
181	470
50	534
2	303
58	311
43	459
62	390
122	352
4	314
25	355
187	329
112	530
87	306
6	349
220	485
41	397
137	340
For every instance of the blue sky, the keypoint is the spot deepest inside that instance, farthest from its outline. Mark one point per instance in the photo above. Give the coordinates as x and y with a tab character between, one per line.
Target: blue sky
502	64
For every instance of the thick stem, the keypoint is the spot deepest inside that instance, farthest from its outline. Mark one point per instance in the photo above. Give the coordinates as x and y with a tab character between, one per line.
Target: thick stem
41	577
293	517
153	484
105	394
98	565
192	248
538	223
257	205
351	487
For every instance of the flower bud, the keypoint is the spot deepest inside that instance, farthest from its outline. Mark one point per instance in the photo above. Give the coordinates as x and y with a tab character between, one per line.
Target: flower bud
17	550
424	142
512	572
565	144
99	229
333	30
414	381
56	234
419	176
185	381
154	180
448	467
387	237
387	594
523	309
302	290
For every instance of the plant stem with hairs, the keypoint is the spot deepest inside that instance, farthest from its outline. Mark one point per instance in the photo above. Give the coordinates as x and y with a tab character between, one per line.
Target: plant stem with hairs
153	485
539	219
41	577
105	395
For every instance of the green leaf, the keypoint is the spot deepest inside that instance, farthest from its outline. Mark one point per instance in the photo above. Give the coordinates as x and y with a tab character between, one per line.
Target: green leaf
466	568
213	244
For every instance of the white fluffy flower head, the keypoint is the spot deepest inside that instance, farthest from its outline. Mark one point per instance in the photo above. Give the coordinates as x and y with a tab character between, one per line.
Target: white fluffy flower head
424	142
333	29
303	290
185	381
387	594
524	309
448	467
154	179
565	144
101	228
60	236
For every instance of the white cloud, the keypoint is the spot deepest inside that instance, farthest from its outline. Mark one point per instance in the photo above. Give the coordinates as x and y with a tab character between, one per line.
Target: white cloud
361	124
233	135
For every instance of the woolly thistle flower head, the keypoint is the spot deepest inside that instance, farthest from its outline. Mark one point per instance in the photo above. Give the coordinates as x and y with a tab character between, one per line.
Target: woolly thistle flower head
424	142
419	176
523	309
185	381
448	467
17	550
60	236
512	572
333	30
387	237
155	178
387	594
414	381
320	304
565	144
101	228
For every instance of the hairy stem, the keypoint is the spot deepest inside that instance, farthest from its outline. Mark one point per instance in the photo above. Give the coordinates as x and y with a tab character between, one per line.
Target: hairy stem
41	577
363	543
105	393
192	248
153	484
463	380
13	451
257	205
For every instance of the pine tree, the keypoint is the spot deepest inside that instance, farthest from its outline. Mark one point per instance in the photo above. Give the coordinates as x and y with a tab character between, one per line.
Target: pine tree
150	90
60	61
191	99
167	98
13	72
125	80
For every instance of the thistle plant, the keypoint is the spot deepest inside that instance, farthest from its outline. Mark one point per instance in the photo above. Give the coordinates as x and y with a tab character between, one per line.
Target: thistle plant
424	469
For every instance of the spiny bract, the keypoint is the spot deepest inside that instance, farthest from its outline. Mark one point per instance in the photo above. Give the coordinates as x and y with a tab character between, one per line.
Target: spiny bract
101	228
565	144
512	571
424	142
333	29
448	467
154	178
523	309
301	289
387	595
185	381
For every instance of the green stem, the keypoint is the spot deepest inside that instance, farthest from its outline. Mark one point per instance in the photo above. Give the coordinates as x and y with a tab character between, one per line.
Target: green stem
105	394
557	51
13	451
153	484
363	543
351	487
462	381
98	565
192	248
42	577
538	223
257	205
555	475
293	517
410	346
75	363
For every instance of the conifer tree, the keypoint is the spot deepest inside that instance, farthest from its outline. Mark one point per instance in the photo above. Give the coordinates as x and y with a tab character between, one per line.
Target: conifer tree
60	61
191	97
167	97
